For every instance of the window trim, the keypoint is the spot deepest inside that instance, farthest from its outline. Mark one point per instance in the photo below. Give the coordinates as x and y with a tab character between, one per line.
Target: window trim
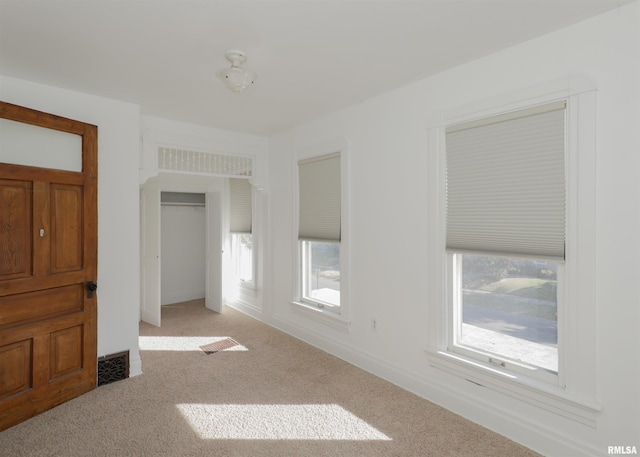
575	395
336	317
322	316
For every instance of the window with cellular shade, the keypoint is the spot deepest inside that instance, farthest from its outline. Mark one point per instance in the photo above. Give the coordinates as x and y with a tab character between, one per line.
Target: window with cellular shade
240	209
506	184
319	187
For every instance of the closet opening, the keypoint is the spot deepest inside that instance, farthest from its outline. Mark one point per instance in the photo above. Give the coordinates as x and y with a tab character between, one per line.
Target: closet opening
182	244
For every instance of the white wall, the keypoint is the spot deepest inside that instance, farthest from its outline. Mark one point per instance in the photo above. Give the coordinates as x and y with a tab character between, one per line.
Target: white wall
183	241
118	204
388	227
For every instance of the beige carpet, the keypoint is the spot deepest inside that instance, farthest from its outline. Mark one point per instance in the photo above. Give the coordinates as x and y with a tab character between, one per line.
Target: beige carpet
269	395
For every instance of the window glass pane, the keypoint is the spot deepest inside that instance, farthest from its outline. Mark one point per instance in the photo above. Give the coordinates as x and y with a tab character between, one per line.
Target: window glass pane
321	272
509	308
25	144
241	251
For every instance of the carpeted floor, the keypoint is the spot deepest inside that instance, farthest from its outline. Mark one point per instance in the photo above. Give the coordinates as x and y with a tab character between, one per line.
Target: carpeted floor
268	395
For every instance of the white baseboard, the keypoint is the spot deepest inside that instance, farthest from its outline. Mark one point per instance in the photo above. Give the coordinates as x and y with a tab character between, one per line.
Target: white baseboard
135	367
539	437
247	308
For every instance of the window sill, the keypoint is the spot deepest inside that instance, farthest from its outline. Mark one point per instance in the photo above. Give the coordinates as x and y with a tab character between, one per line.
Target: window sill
249	287
534	392
322	316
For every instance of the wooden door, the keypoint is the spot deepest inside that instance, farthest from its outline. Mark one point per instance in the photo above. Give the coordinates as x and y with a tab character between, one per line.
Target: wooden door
48	256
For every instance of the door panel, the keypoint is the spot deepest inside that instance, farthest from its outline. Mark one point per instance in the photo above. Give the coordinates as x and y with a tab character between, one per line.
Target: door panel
32	306
48	253
150	265
66	228
15	236
66	351
16	377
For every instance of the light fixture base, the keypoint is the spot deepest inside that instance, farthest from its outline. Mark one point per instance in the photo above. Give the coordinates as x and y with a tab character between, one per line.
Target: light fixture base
236	78
236	57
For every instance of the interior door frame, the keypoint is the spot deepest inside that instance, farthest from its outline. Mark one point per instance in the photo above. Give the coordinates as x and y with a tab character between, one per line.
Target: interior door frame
151	251
213	287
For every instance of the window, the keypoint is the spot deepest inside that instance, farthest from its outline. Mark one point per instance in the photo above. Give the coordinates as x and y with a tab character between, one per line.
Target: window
240	227
507	310
512	259
321	273
319	231
242	257
505	235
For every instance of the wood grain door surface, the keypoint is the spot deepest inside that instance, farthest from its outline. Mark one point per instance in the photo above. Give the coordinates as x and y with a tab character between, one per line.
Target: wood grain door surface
48	255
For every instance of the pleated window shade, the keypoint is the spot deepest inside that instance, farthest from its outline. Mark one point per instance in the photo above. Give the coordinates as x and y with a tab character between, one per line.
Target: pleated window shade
319	187
240	209
506	184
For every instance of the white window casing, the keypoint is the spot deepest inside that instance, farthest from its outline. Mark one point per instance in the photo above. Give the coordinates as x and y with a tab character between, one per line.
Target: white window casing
573	395
322	183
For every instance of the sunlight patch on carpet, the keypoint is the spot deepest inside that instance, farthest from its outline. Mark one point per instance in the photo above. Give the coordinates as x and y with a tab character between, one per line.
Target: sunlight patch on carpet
184	343
278	422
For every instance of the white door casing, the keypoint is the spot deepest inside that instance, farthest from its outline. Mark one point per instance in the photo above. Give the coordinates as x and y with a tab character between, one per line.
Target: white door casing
151	255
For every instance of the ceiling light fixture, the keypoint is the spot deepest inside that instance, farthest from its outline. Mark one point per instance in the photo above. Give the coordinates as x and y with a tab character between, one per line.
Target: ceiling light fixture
236	78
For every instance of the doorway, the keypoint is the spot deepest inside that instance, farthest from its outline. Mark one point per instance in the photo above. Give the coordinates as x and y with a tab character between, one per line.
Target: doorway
182	241
151	241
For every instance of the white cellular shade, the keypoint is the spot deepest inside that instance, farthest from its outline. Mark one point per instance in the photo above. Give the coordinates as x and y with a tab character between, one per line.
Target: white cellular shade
319	184
506	184
240	209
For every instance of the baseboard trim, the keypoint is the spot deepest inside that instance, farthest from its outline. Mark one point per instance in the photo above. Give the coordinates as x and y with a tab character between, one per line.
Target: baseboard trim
135	366
247	308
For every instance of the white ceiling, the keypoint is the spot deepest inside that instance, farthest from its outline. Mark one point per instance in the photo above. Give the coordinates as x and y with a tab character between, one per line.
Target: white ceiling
312	56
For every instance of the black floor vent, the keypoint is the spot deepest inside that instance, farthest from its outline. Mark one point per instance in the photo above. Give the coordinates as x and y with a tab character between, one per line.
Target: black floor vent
112	368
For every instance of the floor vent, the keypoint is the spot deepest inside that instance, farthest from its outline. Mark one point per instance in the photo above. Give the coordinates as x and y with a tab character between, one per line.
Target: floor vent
112	368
